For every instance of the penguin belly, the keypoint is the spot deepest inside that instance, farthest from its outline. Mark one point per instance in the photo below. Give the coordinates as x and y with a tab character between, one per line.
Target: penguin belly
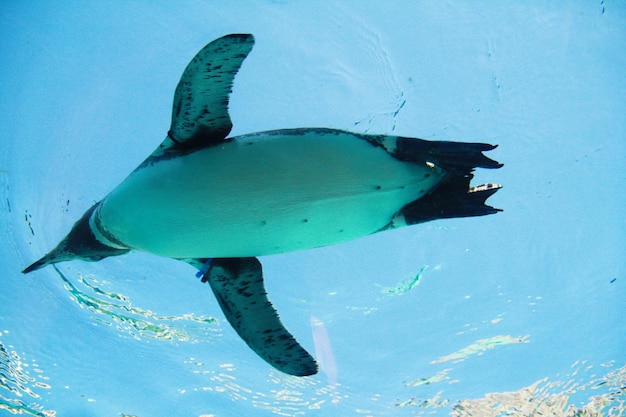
263	194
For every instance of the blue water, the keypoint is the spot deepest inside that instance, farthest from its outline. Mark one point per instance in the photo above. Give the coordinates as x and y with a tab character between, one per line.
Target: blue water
514	313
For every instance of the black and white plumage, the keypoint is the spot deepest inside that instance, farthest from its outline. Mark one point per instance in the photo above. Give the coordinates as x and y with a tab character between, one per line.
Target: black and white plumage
217	202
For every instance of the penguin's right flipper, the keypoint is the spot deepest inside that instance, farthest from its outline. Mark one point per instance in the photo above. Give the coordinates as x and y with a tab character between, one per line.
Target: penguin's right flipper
200	109
238	286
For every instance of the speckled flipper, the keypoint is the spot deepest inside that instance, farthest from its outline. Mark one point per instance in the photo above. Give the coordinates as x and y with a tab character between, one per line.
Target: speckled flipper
238	286
200	110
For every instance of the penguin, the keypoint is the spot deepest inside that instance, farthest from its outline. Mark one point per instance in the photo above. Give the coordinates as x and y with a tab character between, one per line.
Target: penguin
218	202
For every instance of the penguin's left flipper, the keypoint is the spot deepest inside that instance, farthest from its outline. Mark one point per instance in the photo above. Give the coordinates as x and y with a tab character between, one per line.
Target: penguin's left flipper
238	286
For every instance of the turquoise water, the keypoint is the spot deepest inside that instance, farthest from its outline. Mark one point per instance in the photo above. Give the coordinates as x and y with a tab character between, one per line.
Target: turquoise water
516	313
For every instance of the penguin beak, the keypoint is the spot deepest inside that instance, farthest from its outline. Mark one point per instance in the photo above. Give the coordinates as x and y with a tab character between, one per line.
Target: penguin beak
59	254
45	261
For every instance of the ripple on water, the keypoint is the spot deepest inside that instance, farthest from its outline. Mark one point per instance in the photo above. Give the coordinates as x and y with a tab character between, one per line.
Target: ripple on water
18	384
117	310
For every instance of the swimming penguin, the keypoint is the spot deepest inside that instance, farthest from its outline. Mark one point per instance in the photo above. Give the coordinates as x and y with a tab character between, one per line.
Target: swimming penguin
218	202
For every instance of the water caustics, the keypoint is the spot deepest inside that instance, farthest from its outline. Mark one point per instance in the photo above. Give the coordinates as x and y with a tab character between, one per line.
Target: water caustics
21	380
117	309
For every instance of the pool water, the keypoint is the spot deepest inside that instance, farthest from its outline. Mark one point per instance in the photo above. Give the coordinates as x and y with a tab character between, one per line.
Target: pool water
515	313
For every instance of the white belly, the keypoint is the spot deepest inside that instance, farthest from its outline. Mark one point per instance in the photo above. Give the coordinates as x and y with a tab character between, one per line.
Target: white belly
263	194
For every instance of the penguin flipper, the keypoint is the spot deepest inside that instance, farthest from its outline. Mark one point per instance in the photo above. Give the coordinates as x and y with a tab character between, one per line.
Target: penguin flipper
238	286
200	109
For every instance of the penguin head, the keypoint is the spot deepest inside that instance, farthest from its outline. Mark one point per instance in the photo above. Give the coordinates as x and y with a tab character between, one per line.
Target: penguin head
80	243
